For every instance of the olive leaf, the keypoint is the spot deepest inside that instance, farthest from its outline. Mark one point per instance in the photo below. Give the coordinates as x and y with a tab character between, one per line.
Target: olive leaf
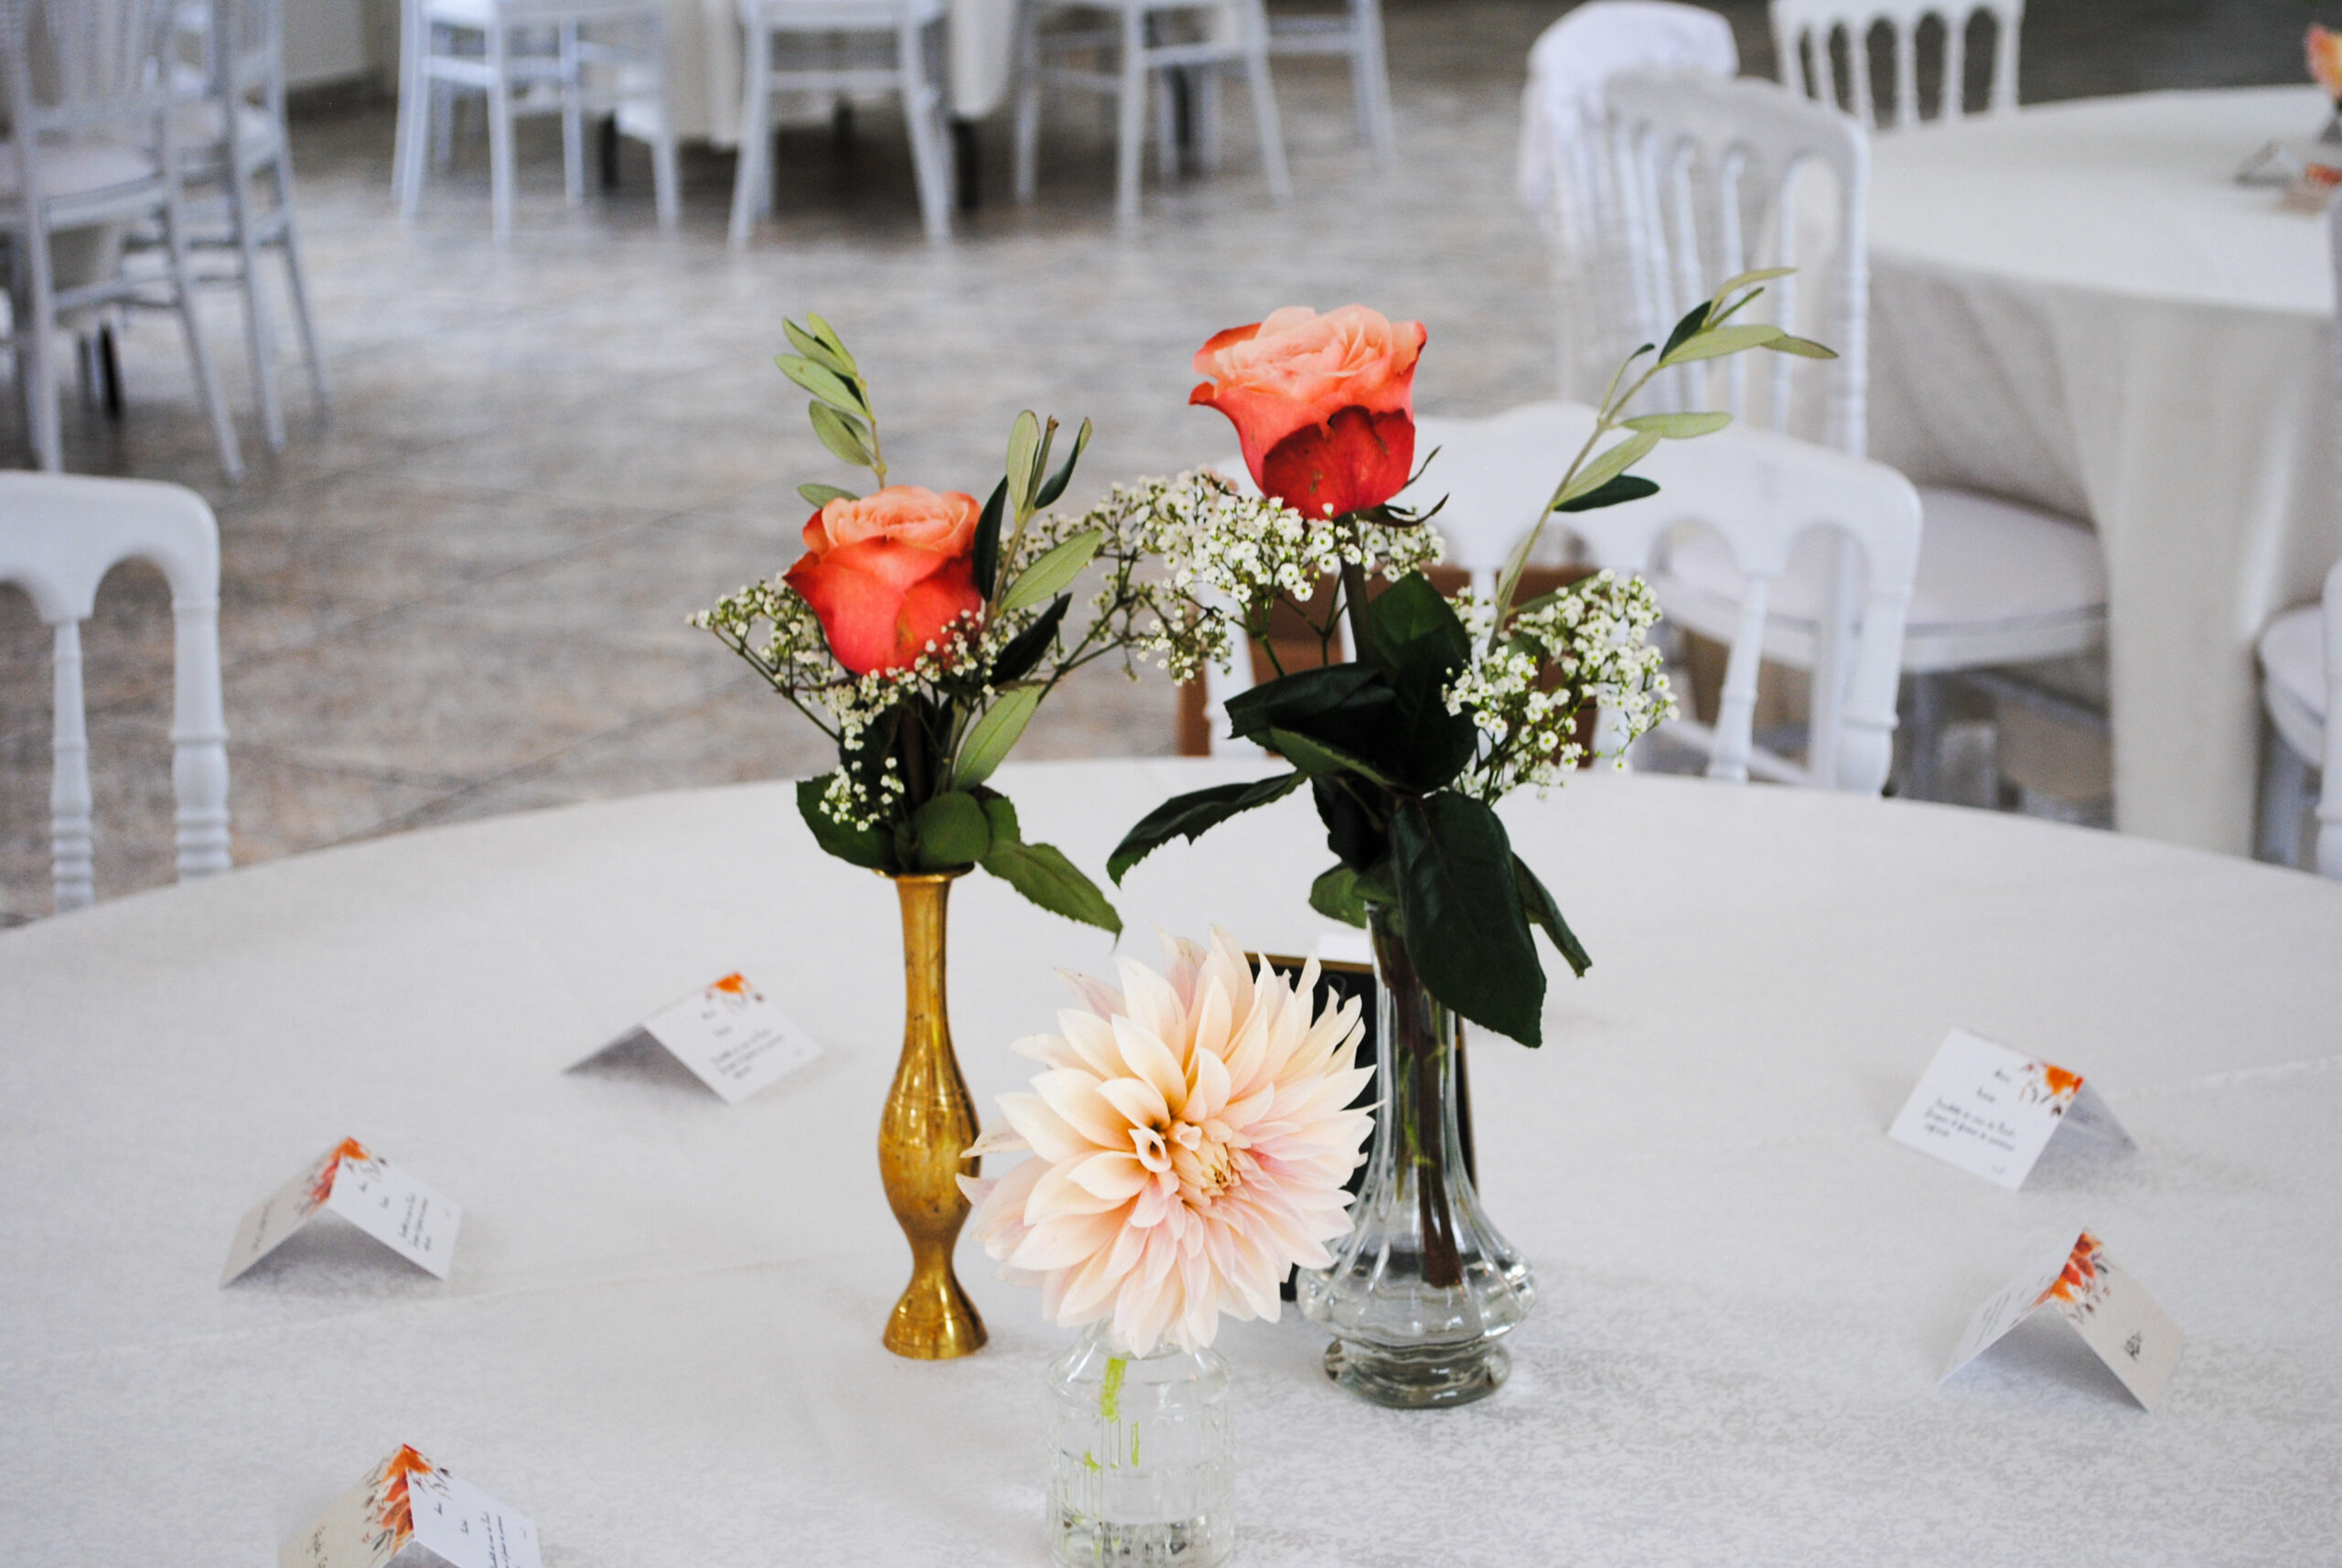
991	737
1057	566
823	495
846	438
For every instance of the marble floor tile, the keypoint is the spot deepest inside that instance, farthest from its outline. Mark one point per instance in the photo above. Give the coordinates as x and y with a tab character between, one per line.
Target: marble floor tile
459	590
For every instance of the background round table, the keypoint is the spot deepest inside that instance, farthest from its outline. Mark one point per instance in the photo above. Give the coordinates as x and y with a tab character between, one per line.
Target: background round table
660	1336
2077	305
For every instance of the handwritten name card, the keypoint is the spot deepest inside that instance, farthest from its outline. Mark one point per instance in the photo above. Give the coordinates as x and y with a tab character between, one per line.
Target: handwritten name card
407	1499
2100	1302
354	1181
731	1036
1990	1110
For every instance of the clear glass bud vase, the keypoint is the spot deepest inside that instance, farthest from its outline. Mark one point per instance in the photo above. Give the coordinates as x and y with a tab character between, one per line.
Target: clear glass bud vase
1425	1287
1142	1457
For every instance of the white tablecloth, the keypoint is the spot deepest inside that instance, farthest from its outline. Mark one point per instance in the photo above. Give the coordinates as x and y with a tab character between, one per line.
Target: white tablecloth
2077	306
705	45
659	1338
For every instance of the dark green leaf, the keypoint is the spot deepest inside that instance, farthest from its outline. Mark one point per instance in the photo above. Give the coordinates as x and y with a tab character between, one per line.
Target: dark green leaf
1684	329
1466	933
1043	874
848	437
999	815
952	830
1335	896
1413	627
870	847
987	559
1625	488
824	383
1420	647
1295	701
1351	831
813	348
1064	476
1025	649
1538	905
823	495
1191	815
1314	758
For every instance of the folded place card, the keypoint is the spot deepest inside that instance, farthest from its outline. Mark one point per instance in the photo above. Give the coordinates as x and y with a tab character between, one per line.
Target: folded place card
352	1181
2112	1313
1990	1110
731	1036
407	1499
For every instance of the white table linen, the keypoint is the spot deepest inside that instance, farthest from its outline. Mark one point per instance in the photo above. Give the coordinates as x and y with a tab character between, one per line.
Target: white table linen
660	1336
705	50
2075	305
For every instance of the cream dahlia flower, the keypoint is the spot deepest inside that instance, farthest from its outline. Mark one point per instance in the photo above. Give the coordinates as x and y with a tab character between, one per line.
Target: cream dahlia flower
1191	1138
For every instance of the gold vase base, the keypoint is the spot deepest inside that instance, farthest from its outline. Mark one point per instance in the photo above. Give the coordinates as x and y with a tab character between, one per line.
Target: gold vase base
1433	1378
934	1321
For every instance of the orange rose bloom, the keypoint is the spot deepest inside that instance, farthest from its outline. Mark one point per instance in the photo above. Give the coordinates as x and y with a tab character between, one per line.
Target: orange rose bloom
2324	52
887	573
1324	404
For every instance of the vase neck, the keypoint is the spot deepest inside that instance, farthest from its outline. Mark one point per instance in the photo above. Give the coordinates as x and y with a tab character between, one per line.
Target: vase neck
925	899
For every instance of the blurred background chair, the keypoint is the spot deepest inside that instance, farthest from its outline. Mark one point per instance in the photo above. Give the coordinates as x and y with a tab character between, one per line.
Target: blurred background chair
1566	176
837	48
1822	48
1354	32
1148	42
59	535
1716	177
2301	668
91	154
236	172
570	58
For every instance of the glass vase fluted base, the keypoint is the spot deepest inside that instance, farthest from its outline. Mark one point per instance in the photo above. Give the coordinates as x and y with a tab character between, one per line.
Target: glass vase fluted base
1141	1459
1424	1287
1418	1379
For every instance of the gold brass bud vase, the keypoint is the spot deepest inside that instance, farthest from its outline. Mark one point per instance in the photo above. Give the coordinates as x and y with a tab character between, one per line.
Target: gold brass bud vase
930	1119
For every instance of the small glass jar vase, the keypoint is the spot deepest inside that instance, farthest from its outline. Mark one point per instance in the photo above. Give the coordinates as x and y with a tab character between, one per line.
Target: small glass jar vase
1142	1457
1425	1287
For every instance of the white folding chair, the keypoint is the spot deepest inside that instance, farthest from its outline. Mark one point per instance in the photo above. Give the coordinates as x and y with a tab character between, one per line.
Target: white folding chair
571	58
1354	32
91	147
838	48
59	535
1148	40
1713	176
1566	176
2301	668
1808	36
1762	498
233	137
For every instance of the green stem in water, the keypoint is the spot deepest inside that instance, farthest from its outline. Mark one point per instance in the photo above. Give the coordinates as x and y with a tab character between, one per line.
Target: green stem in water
1110	1393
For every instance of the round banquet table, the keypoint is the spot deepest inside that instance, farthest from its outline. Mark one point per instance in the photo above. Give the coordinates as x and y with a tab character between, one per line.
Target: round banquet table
659	1338
2077	305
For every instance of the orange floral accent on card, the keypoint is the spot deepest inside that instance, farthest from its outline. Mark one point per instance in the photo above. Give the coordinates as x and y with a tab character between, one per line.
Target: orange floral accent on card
2062	1083
321	1184
732	986
393	1510
2083	1277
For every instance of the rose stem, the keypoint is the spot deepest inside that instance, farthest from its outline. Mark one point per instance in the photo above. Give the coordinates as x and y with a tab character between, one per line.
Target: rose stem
1442	1267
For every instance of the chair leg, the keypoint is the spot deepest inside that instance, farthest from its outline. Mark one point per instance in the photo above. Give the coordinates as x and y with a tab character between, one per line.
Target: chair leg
71	840
1205	119
259	336
1264	100
207	376
1028	101
109	373
445	106
1169	90
1130	135
573	117
666	175
756	138
297	282
1371	71
199	741
2284	796
2328	849
415	108
922	114
500	173
1925	723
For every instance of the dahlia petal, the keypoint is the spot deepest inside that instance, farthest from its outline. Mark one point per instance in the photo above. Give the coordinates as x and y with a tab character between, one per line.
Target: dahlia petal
1115	1178
1153	1061
1076	1098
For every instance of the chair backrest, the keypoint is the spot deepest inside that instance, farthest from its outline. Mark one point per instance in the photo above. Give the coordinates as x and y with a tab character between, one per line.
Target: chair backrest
59	534
1807	32
2330	800
81	67
1760	492
1715	180
1564	175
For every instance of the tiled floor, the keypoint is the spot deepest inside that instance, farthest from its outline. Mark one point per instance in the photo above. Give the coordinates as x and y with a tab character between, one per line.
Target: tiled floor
463	592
